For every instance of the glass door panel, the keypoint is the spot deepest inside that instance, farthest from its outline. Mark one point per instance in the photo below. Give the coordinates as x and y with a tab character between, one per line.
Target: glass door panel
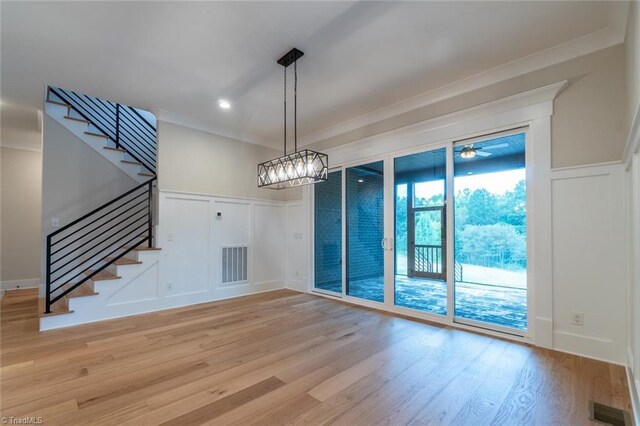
490	233
365	231
420	230
328	233
428	253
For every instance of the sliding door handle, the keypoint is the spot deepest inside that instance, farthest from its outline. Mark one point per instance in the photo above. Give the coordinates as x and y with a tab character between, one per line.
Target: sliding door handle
383	243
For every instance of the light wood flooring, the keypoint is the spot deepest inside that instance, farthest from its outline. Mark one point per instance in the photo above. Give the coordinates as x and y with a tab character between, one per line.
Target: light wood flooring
287	358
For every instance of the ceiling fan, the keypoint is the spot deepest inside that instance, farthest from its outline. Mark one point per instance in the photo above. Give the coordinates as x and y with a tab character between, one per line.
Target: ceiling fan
470	151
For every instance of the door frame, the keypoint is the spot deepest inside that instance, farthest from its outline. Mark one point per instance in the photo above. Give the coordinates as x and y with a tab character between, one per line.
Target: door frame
533	108
449	214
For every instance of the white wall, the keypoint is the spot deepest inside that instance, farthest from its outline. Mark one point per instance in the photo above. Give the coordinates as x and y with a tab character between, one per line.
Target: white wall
633	254
297	245
590	261
75	178
192	236
191	160
21	192
632	159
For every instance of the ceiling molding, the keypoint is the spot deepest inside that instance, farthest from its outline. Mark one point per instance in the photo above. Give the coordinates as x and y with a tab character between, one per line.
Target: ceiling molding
580	46
171	118
538	101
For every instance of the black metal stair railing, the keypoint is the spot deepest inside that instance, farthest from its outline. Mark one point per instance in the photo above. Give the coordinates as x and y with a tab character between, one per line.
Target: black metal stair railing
124	125
83	248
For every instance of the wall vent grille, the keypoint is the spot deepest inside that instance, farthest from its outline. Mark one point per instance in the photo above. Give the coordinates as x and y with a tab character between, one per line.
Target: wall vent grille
234	264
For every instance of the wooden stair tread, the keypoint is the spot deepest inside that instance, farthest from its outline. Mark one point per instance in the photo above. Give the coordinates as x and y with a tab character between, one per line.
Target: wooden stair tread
76	119
85	289
131	162
114	149
60	307
99	135
126	261
103	276
58	103
140	248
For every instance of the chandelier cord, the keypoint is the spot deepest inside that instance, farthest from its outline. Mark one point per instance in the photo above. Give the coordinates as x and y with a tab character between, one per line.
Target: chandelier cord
295	105
285	110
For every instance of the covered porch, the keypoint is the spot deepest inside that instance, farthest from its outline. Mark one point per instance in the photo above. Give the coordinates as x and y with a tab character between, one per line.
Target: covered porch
497	304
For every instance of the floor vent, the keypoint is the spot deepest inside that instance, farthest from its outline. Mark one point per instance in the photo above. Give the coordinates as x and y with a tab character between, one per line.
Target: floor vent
234	264
608	415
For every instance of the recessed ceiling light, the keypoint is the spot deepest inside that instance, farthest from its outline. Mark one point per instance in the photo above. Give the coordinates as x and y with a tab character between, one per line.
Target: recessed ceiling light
224	104
360	180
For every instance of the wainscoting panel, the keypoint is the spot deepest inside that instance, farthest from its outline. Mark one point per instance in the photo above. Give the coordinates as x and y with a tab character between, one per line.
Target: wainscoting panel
231	227
297	242
187	243
268	253
589	261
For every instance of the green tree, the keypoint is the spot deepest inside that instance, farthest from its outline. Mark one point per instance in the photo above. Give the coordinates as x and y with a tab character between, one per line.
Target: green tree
496	245
512	207
482	208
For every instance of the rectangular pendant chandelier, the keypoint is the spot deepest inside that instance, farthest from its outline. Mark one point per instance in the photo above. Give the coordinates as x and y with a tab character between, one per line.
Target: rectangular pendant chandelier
295	169
300	167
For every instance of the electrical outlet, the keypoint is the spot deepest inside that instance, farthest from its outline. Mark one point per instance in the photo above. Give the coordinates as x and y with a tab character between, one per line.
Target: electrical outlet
577	318
55	222
169	286
169	236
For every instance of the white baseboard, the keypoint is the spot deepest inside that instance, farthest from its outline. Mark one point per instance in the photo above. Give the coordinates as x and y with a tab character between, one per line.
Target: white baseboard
590	347
63	321
15	284
633	394
544	332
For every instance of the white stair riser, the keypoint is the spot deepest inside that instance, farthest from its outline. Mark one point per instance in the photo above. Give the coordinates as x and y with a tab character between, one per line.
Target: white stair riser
97	307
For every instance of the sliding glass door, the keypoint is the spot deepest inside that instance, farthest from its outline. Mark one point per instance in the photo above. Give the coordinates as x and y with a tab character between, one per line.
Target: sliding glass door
328	234
453	241
365	240
420	231
491	233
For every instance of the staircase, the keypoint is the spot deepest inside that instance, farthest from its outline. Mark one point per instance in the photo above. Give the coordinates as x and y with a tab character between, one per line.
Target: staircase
94	251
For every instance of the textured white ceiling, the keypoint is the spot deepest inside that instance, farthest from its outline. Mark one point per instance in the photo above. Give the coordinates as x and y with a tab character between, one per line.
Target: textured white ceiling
178	58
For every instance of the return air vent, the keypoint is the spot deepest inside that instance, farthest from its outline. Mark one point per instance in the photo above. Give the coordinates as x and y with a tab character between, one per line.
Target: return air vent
234	264
607	415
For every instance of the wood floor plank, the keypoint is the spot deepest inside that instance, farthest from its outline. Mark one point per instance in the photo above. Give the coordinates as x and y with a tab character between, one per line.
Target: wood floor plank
284	357
217	408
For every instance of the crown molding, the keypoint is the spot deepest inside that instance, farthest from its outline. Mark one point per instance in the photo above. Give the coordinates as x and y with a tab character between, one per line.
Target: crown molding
610	36
168	117
581	46
538	103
